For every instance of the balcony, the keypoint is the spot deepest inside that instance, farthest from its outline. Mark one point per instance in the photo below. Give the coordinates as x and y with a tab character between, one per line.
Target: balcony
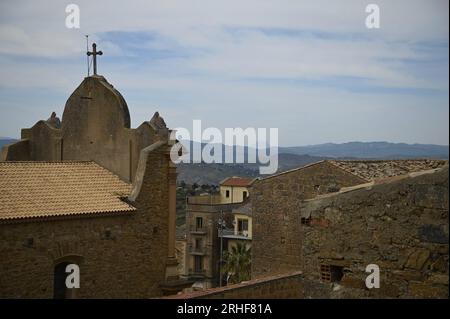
204	200
199	251
197	273
198	230
232	234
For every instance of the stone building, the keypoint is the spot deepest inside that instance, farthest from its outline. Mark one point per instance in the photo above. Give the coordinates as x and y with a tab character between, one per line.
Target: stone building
95	193
333	218
180	249
399	224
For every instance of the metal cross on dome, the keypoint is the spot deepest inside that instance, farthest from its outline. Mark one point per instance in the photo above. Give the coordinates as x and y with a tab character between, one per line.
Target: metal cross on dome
94	54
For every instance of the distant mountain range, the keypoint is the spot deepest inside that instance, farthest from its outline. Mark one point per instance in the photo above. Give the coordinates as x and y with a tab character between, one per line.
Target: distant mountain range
374	150
368	150
291	157
6	141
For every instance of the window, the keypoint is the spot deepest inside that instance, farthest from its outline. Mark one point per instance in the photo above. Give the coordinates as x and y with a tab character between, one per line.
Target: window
198	263
198	243
227	193
242	225
244	195
305	220
331	273
198	223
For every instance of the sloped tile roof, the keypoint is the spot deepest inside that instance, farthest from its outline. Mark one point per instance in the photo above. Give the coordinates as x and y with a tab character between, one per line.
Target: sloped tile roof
47	189
378	169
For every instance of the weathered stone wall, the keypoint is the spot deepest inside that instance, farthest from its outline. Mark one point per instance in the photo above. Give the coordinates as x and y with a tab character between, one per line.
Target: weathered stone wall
401	226
289	286
180	247
16	151
120	256
276	245
45	142
95	127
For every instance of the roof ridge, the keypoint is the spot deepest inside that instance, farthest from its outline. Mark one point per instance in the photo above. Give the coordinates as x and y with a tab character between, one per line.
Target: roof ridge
293	170
359	160
332	162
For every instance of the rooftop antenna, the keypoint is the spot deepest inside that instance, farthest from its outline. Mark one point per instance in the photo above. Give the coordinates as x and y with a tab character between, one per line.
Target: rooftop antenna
87	50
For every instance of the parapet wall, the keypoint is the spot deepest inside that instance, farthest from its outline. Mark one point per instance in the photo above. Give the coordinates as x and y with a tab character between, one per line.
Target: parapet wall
291	285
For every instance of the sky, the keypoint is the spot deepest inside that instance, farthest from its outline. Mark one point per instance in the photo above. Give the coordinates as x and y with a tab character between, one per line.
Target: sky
312	69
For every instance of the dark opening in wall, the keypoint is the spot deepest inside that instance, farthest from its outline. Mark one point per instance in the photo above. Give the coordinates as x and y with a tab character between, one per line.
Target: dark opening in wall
29	242
305	220
331	273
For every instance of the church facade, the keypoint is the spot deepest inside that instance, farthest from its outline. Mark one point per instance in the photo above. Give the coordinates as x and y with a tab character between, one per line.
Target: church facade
95	193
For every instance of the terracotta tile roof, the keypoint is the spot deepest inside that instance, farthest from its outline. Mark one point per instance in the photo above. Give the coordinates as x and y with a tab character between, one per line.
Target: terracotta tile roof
378	169
47	189
237	181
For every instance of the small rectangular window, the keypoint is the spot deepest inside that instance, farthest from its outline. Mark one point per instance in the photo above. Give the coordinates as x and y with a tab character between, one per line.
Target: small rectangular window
305	220
331	273
198	264
227	193
199	223
242	225
198	243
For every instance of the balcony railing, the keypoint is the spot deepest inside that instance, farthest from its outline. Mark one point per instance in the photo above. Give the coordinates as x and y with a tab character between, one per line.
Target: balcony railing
198	230
197	250
204	200
231	233
197	272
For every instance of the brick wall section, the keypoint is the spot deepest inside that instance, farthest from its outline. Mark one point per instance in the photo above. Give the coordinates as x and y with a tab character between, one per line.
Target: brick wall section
127	263
401	226
276	246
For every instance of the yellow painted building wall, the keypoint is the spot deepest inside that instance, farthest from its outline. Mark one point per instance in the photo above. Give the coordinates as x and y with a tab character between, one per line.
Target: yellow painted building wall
236	194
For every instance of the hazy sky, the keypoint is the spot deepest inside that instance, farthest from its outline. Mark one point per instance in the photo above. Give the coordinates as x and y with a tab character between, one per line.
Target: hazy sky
310	68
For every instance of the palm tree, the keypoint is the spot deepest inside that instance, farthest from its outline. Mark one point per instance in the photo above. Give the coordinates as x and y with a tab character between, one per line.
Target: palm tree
238	263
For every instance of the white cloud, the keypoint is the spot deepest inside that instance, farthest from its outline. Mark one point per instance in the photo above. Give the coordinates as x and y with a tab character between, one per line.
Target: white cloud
228	41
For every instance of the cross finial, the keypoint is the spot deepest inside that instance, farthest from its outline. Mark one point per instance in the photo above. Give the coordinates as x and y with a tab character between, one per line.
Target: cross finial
94	54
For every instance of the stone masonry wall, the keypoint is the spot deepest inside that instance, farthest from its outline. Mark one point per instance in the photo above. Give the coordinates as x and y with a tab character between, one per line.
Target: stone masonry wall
120	256
291	285
401	226
276	244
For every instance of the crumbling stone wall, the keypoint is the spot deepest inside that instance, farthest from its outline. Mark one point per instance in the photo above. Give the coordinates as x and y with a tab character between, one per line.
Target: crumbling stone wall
401	226
120	256
277	239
